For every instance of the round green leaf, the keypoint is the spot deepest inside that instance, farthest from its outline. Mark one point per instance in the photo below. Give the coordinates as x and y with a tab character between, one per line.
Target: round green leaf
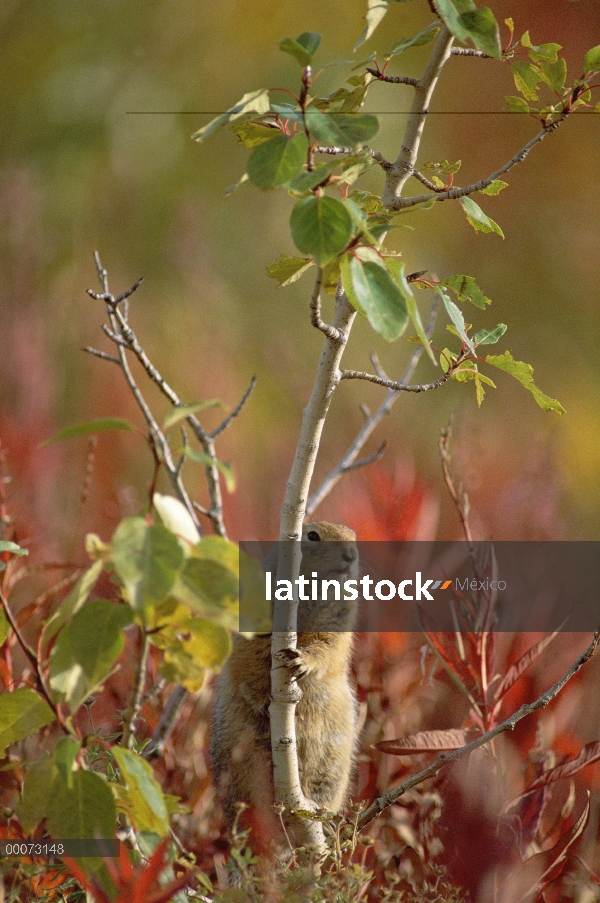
277	161
371	288
321	227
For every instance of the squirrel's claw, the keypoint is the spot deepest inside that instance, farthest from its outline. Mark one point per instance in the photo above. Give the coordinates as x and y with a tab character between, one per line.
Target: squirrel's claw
293	660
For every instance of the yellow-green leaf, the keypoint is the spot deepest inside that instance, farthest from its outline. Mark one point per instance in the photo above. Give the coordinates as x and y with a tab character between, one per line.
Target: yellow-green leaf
524	373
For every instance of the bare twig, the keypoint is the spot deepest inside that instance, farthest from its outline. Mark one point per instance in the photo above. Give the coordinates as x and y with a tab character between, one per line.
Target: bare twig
425	181
102	354
377	807
458	496
33	660
135	705
123	336
397	386
372	421
167	722
393	79
334	149
453	193
470	51
237	410
331	332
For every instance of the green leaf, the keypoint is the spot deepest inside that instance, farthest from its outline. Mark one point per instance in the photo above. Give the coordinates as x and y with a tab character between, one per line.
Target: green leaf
527	77
489	336
428	34
591	61
341	128
466	289
554	74
86	809
72	603
147	807
397	270
524	373
517	104
202	458
547	52
465	21
253	103
22	713
277	161
209	588
251	134
321	227
38	787
478	219
147	558
288	269
65	754
12	547
101	425
183	411
302	48
371	288
86	650
457	318
376	10
494	187
308	180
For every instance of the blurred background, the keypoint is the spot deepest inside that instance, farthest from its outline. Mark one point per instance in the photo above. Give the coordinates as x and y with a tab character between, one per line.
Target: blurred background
99	103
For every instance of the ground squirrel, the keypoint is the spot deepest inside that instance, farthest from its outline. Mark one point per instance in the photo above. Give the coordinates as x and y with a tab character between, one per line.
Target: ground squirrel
326	714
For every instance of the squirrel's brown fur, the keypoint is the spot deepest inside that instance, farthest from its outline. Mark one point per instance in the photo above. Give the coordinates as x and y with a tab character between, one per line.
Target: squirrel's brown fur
325	716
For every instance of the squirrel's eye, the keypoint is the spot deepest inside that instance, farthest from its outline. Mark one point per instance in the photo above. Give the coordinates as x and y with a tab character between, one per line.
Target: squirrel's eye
313	536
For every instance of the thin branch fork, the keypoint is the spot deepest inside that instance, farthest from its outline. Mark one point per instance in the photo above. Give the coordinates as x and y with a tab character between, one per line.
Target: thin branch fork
122	334
378	806
335	335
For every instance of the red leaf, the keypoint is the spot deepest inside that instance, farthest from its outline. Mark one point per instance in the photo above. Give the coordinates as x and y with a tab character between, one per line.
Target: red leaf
590	753
516	670
427	741
552	862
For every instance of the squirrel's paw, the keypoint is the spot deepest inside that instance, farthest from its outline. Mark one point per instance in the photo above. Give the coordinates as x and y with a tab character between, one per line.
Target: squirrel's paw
294	661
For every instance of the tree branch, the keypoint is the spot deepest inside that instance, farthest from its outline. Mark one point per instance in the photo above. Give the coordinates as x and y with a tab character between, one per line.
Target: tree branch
405	162
393	79
33	660
372	421
377	807
285	692
315	313
453	193
134	707
399	386
334	149
237	410
123	336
